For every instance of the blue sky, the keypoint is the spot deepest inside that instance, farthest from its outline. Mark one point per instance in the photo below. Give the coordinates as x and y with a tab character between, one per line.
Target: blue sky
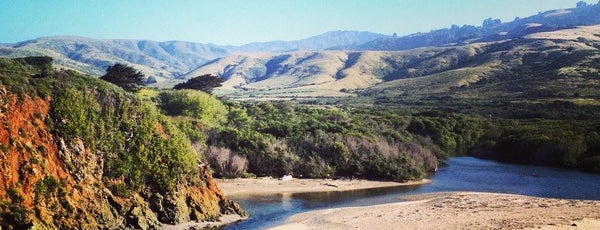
236	22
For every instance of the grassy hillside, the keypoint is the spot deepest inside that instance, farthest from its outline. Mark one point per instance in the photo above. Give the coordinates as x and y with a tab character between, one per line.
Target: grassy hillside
160	60
328	70
529	68
538	65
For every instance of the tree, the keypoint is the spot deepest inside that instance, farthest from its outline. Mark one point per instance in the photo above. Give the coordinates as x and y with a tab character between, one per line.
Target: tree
42	63
124	76
206	83
489	22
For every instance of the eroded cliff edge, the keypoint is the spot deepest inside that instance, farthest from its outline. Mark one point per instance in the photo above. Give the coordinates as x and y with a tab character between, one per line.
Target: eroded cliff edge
77	152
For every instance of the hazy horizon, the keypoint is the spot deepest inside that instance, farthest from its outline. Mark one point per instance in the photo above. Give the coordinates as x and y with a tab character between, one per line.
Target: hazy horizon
236	22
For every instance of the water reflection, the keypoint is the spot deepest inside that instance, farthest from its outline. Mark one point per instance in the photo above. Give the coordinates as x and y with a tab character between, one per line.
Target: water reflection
352	198
471	174
287	201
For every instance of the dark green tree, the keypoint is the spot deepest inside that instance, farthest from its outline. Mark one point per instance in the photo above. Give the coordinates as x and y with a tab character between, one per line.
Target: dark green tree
124	76
206	83
42	63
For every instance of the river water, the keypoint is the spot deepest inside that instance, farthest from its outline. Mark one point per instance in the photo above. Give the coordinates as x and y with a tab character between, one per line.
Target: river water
462	174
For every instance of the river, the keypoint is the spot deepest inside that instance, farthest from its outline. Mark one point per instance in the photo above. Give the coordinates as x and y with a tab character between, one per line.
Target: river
462	174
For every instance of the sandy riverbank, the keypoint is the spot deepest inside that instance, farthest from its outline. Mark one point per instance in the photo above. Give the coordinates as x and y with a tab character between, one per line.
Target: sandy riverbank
457	211
269	186
266	186
224	220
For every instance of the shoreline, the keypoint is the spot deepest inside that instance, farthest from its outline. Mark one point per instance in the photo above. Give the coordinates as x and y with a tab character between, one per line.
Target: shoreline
456	210
271	186
223	220
265	186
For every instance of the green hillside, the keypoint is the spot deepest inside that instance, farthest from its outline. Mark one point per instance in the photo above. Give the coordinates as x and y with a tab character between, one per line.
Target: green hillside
78	152
528	68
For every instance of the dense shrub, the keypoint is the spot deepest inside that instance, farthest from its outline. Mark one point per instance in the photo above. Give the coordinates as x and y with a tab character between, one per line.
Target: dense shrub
140	146
194	104
550	143
280	138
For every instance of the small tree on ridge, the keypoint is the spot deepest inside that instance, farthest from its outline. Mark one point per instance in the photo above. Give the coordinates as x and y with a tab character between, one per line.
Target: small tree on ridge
124	76
206	83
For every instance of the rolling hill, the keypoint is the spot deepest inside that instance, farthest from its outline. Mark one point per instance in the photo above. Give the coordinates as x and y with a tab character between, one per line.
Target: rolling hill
160	60
547	63
328	40
332	70
346	63
92	56
555	64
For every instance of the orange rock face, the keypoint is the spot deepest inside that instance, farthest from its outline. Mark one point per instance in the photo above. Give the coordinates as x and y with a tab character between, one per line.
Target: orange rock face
59	183
28	148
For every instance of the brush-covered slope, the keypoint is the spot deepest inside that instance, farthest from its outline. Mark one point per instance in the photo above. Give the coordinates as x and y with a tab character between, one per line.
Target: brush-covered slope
80	153
555	64
547	63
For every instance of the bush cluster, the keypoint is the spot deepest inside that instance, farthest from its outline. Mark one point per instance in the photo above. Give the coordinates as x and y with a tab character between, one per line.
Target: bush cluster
141	146
315	142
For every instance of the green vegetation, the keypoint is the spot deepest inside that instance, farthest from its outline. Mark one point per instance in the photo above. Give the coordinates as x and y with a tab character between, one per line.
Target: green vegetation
206	83
12	213
193	104
124	76
141	147
85	146
157	136
277	139
280	138
544	142
126	129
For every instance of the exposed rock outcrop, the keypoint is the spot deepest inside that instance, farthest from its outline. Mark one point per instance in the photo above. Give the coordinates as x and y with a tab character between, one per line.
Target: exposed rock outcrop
49	181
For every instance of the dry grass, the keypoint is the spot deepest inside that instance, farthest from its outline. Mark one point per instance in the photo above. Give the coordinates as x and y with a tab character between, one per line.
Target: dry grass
587	32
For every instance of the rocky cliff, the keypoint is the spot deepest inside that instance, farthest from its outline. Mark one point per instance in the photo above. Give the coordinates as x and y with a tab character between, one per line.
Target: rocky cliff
81	155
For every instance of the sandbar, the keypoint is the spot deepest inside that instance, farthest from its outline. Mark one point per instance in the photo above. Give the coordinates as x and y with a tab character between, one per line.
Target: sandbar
457	210
269	186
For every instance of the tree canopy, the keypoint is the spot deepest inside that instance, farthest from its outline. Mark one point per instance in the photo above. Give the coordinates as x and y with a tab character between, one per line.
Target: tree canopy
206	83
124	76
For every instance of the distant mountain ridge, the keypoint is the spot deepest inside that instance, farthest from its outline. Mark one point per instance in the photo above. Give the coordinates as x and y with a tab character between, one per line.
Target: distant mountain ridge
172	61
92	56
491	30
328	40
163	60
